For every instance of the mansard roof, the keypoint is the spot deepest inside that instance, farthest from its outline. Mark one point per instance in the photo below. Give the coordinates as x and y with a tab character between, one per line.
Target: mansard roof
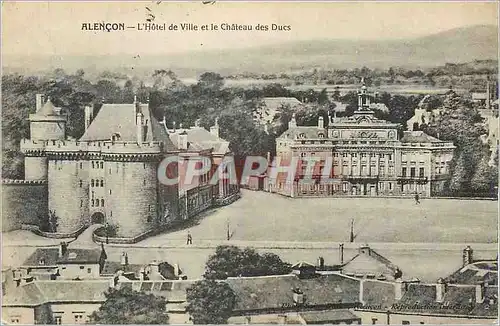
305	132
418	137
120	119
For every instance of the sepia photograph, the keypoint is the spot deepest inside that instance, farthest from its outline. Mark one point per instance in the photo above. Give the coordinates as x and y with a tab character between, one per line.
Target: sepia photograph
253	162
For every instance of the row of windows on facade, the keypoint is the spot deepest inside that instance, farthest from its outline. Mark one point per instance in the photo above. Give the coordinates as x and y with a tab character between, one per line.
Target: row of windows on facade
99	165
100	183
353	155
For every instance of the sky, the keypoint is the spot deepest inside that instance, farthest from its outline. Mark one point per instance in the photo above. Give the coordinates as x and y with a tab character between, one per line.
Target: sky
54	28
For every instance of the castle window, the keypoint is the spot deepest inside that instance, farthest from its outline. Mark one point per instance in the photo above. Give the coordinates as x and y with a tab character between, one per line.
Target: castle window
110	191
110	213
102	183
102	165
81	183
81	203
144	165
93	167
81	165
109	170
144	182
92	181
92	203
102	202
149	218
97	202
149	208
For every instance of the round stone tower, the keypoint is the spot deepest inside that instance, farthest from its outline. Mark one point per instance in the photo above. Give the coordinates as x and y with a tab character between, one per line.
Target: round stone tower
131	186
68	184
47	124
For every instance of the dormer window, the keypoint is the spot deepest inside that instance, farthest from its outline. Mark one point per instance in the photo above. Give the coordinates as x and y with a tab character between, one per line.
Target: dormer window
42	261
321	135
302	135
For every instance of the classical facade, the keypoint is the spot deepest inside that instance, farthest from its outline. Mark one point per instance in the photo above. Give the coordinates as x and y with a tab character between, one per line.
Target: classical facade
361	155
109	175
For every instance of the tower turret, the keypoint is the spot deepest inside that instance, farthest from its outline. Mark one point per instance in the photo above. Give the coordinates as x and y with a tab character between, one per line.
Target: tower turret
46	124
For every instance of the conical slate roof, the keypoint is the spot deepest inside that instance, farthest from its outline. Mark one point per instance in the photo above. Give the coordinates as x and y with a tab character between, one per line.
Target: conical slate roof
47	109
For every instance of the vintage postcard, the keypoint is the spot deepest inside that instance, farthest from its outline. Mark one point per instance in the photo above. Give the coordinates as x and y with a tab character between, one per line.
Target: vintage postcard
215	162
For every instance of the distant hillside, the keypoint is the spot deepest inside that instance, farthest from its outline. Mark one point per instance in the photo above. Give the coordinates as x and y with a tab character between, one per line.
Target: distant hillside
453	46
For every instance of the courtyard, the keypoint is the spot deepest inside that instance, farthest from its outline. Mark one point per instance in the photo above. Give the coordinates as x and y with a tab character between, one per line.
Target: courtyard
261	216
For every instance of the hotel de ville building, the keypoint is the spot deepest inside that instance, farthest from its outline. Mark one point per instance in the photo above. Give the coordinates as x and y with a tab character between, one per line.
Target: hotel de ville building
369	157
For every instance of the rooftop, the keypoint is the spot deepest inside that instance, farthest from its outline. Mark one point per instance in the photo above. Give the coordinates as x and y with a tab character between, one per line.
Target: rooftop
368	262
418	137
275	292
39	292
119	121
480	271
303	132
50	257
200	139
328	316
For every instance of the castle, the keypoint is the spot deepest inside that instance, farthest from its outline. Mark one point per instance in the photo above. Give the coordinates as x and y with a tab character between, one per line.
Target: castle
109	175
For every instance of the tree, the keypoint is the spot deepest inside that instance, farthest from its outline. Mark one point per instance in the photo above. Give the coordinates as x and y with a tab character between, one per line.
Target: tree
53	221
231	261
126	306
210	302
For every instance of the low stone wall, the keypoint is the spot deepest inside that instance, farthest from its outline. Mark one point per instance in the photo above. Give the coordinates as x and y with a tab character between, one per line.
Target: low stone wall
53	235
115	240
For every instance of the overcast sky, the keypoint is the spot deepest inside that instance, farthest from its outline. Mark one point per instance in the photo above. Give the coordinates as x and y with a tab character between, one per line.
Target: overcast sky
55	28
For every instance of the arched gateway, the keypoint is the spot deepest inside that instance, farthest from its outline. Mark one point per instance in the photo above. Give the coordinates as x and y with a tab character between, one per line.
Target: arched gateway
97	218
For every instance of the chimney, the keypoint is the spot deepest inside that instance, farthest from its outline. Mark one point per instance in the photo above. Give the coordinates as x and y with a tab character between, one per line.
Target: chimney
341	253
140	128
440	290
39	101
63	248
154	268
292	122
182	141
214	130
176	270
480	292
400	288
298	296
321	124
124	259
321	262
173	126
89	115
467	256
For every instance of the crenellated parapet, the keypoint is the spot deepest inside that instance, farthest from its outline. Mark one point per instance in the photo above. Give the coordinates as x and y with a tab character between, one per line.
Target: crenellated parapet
23	182
132	152
33	147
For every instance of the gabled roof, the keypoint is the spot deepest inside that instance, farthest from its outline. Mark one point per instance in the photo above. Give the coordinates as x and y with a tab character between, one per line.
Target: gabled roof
378	293
275	103
273	292
369	262
50	257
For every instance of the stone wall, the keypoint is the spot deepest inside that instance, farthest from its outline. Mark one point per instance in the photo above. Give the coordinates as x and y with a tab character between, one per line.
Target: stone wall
23	202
